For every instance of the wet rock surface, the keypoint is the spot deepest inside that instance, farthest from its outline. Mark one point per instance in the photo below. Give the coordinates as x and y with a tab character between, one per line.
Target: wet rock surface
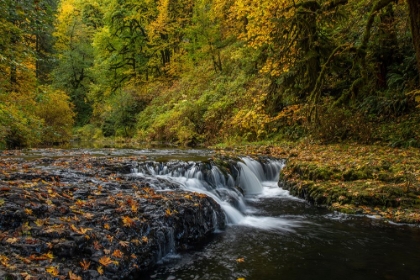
83	217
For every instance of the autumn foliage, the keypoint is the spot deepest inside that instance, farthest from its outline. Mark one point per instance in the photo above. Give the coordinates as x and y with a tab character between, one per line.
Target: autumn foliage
208	71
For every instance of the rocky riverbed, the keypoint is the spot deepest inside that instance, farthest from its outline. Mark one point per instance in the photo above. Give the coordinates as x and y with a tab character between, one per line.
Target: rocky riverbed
84	217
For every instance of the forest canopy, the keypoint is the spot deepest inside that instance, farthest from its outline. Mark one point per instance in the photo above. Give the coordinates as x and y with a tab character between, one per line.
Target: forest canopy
209	71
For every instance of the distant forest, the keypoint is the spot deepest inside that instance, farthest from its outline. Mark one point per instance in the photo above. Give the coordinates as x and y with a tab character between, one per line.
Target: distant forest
202	72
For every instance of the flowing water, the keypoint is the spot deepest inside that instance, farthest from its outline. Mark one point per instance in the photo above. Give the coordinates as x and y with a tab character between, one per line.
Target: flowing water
272	235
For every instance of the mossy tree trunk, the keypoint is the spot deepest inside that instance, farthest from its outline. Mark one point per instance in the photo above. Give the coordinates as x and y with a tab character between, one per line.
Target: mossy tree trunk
414	10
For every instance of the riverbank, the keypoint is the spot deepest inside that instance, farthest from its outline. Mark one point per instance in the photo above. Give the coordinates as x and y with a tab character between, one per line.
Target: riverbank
379	181
86	217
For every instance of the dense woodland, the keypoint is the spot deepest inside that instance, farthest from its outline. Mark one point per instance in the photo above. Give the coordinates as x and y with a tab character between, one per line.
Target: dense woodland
209	71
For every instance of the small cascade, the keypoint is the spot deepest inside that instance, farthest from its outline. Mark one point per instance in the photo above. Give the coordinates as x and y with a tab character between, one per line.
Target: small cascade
255	167
226	185
249	181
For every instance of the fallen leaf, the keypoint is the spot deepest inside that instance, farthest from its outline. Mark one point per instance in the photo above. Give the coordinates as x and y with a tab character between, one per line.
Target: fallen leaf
52	270
12	240
127	221
105	261
85	264
4	260
124	243
117	253
73	276
240	260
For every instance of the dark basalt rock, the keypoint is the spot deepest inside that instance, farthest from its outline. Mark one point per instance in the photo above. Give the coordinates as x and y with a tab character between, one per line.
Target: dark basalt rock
84	217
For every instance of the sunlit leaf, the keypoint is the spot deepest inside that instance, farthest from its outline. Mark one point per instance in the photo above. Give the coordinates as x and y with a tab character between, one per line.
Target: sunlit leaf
105	261
52	270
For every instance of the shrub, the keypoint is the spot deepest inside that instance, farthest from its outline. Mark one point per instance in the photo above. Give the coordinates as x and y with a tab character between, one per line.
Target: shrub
55	109
18	128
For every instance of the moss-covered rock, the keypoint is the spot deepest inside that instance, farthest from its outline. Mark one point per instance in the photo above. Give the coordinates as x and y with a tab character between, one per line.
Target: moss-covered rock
374	180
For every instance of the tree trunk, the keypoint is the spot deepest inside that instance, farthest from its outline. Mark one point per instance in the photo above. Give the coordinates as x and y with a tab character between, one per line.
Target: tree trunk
414	10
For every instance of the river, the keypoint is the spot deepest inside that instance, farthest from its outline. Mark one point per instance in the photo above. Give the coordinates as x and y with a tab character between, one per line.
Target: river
277	236
271	235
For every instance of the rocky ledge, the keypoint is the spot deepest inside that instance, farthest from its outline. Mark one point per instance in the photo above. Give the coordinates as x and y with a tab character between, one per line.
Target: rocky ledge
86	218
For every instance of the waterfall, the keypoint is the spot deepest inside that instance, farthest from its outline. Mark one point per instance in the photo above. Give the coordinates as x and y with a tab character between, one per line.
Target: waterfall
226	185
249	181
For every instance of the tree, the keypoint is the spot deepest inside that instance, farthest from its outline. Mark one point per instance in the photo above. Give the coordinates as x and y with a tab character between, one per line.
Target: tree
414	13
74	35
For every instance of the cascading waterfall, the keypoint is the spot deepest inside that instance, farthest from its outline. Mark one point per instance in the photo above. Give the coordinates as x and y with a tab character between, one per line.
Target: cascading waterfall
229	186
208	178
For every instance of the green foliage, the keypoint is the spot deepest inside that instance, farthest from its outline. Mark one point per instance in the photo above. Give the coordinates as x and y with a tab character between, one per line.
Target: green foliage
120	117
74	34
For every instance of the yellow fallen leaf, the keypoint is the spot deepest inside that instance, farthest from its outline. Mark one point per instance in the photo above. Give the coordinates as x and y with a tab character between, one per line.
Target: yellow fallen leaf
100	270
240	260
52	270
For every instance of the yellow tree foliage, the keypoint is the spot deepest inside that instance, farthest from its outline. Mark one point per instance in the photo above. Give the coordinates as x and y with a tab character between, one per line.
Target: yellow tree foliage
55	109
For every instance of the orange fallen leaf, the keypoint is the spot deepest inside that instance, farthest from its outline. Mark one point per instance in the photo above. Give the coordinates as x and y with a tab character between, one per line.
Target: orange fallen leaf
117	253
127	221
85	264
73	276
105	261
